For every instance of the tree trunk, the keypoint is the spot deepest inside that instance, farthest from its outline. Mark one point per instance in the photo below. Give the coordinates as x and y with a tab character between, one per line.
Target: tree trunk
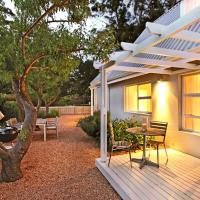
11	170
11	159
21	110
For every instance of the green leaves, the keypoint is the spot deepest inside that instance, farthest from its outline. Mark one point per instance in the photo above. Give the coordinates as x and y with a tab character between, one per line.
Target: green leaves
102	44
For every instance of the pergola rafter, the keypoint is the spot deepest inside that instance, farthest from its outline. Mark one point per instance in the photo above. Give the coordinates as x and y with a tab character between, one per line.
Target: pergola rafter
172	53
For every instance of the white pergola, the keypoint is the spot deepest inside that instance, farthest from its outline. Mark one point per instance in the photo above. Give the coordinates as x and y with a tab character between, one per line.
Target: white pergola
152	55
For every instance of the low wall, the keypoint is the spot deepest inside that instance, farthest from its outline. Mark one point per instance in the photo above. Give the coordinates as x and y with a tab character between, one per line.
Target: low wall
70	110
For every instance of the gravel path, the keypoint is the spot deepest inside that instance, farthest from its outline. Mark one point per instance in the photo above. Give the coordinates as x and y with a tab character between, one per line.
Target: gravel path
60	169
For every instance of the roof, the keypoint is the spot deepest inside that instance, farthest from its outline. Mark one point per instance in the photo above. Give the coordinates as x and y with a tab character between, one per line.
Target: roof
169	45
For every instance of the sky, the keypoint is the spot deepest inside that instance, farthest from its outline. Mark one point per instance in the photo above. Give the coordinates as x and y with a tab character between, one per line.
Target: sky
91	23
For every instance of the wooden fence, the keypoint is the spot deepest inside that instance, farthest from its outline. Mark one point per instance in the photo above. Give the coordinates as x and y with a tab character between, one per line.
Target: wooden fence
70	110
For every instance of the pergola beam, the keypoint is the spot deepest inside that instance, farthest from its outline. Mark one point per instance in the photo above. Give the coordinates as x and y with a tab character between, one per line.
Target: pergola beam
180	24
125	66
155	28
161	63
188	35
172	53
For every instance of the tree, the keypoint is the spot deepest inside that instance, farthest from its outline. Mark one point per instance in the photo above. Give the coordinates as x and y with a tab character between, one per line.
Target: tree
28	44
127	17
46	84
79	82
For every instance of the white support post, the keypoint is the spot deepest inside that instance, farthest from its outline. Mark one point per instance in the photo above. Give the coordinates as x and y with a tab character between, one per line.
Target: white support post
92	101
103	136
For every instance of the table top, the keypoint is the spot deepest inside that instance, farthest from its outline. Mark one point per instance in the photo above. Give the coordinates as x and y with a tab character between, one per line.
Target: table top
147	132
41	121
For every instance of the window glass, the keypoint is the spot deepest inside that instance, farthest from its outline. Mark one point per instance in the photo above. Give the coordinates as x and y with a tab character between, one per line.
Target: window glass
191	102
131	98
144	105
144	90
138	98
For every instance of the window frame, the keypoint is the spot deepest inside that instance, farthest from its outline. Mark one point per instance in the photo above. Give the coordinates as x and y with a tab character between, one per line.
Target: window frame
138	98
183	116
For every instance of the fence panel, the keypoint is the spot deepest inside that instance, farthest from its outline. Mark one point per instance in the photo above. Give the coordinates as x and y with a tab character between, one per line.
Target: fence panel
70	110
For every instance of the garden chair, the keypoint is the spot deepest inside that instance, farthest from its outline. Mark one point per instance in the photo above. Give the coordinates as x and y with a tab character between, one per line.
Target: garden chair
118	145
52	124
162	127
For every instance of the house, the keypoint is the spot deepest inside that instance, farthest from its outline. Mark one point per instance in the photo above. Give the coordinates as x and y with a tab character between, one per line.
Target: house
156	77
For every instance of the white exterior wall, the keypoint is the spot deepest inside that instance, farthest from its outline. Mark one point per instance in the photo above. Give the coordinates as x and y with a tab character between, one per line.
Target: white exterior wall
97	98
166	106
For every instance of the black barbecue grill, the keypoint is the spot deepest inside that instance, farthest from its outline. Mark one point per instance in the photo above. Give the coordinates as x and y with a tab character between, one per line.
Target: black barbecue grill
8	134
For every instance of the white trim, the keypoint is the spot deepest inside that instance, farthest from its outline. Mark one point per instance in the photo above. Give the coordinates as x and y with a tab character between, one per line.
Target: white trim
119	55
92	101
172	53
189	133
104	99
172	29
144	70
125	78
188	35
155	28
162	63
128	46
115	181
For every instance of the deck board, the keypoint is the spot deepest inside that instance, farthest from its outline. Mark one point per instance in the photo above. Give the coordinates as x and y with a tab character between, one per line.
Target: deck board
179	179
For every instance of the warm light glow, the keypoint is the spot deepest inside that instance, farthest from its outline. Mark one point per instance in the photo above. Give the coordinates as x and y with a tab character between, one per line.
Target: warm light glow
144	90
162	98
145	105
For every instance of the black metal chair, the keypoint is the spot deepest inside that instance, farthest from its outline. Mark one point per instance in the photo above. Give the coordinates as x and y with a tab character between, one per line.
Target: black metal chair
160	127
118	145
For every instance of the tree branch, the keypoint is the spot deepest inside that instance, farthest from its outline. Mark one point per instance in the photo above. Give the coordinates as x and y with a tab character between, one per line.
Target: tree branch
59	21
28	67
30	29
53	99
8	97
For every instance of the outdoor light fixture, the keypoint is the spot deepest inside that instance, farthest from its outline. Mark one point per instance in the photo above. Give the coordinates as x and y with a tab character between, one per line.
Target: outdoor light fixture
162	78
1	115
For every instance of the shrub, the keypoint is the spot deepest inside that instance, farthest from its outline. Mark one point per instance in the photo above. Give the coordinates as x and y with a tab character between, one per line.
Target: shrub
10	110
41	114
120	127
53	113
91	124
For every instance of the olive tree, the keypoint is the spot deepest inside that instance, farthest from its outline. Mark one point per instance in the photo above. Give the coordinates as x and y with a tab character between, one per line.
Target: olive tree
29	45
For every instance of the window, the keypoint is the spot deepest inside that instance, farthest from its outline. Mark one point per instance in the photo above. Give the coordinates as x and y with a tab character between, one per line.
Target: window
191	102
138	98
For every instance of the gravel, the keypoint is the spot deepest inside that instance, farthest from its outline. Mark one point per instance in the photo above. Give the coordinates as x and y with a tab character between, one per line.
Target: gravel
60	169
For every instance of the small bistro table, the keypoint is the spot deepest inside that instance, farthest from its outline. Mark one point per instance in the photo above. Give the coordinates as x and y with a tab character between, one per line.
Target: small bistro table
145	132
42	122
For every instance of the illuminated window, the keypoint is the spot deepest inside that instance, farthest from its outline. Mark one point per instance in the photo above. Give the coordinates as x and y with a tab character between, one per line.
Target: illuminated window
138	98
191	102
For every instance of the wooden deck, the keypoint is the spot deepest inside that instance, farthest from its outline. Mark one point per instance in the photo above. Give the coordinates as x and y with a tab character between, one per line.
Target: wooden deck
179	179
